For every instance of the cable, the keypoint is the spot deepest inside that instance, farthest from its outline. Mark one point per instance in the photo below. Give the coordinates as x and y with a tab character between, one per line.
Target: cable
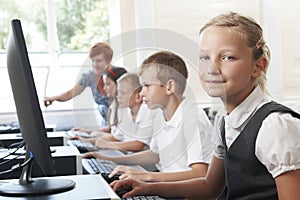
16	157
16	166
18	146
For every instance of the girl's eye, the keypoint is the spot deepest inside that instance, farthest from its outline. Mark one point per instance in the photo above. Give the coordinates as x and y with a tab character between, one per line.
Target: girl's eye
228	58
204	58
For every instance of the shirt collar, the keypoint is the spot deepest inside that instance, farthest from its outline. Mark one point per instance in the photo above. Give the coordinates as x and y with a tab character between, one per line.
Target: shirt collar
176	119
243	111
142	110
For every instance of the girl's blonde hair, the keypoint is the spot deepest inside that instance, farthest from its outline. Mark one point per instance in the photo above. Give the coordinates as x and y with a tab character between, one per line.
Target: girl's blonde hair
253	34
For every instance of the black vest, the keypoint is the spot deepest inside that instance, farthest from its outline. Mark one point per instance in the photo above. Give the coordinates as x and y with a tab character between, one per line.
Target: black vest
246	176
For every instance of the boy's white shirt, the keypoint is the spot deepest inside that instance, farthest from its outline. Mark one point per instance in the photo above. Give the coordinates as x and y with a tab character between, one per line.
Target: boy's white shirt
184	140
141	129
278	140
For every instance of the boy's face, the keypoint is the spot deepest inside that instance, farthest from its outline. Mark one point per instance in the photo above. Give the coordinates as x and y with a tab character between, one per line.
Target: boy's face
99	64
125	95
226	68
109	86
153	92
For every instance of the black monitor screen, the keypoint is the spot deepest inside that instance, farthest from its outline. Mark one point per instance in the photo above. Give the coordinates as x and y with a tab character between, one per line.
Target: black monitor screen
30	119
26	100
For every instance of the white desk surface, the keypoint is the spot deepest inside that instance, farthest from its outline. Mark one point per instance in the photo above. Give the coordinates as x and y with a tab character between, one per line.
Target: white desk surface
87	187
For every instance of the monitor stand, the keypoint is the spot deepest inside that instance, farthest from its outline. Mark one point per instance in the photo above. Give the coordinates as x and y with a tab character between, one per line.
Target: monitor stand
27	186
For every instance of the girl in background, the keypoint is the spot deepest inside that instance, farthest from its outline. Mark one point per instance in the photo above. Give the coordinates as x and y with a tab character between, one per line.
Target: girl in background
110	77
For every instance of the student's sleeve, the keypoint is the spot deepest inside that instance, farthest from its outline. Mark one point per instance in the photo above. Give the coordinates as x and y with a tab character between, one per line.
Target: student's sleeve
219	149
200	146
278	143
117	133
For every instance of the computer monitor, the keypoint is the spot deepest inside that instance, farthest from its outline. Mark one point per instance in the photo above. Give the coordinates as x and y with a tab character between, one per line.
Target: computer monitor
31	122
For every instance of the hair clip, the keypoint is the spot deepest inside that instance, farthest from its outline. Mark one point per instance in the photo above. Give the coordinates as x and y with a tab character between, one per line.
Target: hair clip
111	72
259	43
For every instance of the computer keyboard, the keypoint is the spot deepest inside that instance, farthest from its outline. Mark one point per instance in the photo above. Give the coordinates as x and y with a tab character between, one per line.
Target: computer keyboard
96	166
105	167
82	146
121	191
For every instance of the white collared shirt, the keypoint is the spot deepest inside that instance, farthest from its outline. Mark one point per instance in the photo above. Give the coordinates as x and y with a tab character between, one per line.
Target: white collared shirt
120	113
184	140
278	140
142	128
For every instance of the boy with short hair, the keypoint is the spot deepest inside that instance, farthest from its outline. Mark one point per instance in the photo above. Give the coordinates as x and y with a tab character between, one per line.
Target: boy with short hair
181	147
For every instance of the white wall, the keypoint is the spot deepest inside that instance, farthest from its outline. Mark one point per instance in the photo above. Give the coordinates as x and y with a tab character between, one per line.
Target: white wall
185	17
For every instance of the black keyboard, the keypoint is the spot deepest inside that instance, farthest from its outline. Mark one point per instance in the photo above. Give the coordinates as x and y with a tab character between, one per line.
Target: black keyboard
101	166
96	166
121	192
105	167
82	146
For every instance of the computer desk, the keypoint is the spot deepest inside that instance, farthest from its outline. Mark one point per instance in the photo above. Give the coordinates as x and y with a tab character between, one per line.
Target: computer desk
9	128
87	187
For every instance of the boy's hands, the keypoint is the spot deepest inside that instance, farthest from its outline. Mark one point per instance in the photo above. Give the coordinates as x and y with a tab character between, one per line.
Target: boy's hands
137	187
129	172
81	130
95	154
102	143
120	169
75	138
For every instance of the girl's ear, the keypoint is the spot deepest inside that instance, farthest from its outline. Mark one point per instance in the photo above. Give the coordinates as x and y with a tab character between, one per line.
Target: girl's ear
260	66
170	86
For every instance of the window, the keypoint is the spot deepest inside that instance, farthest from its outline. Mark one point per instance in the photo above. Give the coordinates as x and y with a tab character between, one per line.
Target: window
58	50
